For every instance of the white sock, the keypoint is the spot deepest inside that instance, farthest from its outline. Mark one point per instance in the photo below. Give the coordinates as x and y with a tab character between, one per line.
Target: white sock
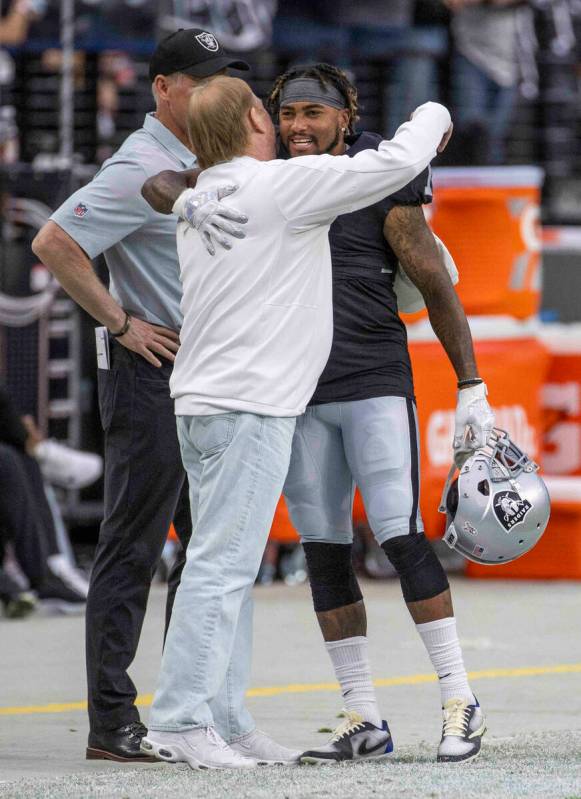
441	640
351	663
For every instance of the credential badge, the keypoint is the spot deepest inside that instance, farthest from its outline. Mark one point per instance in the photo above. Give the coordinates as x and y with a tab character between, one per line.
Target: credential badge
510	509
208	41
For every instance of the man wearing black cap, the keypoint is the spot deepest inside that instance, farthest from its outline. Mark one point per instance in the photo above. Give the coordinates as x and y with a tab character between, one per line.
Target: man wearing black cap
145	486
191	52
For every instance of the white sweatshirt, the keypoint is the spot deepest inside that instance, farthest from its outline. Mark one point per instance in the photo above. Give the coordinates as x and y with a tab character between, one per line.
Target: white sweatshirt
258	320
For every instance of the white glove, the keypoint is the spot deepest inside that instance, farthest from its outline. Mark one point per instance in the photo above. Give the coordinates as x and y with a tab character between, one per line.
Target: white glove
409	297
203	211
474	418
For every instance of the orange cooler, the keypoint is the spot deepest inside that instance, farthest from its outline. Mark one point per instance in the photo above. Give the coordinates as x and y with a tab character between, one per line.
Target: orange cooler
488	217
282	529
514	365
561	400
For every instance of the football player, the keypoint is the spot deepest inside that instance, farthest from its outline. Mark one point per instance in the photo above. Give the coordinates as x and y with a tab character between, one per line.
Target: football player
361	426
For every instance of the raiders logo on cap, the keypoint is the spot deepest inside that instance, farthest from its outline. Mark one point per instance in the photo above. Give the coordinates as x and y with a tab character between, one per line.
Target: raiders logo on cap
510	508
208	41
194	52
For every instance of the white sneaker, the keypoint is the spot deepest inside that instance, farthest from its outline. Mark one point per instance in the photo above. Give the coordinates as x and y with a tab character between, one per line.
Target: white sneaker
260	747
67	467
463	728
201	748
69	574
354	739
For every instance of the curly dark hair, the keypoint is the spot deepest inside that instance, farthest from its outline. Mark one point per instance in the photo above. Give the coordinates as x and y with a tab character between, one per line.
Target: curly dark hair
325	74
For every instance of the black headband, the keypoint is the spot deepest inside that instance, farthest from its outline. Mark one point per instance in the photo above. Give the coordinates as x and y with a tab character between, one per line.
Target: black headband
302	90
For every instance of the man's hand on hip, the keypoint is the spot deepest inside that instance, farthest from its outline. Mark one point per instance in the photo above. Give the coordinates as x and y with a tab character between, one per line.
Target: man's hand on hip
474	418
148	340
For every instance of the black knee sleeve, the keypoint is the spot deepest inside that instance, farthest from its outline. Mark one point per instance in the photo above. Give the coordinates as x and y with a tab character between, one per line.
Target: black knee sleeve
333	581
419	570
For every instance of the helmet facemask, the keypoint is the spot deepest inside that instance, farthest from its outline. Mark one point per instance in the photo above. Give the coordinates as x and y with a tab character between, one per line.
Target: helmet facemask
507	461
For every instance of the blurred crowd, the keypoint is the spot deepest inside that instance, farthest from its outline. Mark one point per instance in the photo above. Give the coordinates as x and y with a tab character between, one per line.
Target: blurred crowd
37	563
472	54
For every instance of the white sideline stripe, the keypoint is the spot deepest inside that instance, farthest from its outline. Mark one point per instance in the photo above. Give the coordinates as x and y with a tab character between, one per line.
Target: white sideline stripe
305	688
563	488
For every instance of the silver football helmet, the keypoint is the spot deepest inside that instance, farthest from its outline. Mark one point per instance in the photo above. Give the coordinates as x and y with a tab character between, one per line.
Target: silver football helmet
498	507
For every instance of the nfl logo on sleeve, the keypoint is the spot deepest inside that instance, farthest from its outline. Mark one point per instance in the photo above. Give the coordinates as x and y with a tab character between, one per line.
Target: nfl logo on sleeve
80	210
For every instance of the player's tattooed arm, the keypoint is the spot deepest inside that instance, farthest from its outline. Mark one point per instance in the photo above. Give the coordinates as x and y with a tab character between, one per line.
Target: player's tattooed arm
409	236
162	190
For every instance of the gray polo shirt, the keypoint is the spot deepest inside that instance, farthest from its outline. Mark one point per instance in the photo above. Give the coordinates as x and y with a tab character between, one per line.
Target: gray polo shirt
110	216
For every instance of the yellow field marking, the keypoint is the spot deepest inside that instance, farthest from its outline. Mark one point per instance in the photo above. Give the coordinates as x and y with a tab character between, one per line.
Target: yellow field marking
320	687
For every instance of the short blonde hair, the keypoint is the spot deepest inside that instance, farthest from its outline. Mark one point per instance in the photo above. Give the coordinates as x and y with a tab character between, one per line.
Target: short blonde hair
216	119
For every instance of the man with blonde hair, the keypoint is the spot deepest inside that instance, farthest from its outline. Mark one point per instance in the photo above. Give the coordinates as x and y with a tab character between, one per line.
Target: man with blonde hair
256	335
214	121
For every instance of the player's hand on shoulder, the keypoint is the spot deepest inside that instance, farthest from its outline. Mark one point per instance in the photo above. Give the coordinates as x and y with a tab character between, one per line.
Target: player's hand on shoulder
150	341
214	221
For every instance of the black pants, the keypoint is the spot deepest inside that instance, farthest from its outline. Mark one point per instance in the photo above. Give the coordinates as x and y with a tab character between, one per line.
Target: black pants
145	489
25	517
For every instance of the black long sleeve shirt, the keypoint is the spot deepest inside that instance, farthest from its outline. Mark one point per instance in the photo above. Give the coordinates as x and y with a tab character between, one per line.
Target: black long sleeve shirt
12	431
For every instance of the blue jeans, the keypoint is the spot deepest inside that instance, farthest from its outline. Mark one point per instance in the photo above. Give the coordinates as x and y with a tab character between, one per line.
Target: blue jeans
411	74
236	465
481	102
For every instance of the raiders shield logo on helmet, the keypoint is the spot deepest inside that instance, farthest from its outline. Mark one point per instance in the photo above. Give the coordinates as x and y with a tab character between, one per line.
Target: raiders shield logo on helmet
208	41
510	509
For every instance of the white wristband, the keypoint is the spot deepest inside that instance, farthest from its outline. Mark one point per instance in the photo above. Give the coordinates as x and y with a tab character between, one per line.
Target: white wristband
471	393
178	207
